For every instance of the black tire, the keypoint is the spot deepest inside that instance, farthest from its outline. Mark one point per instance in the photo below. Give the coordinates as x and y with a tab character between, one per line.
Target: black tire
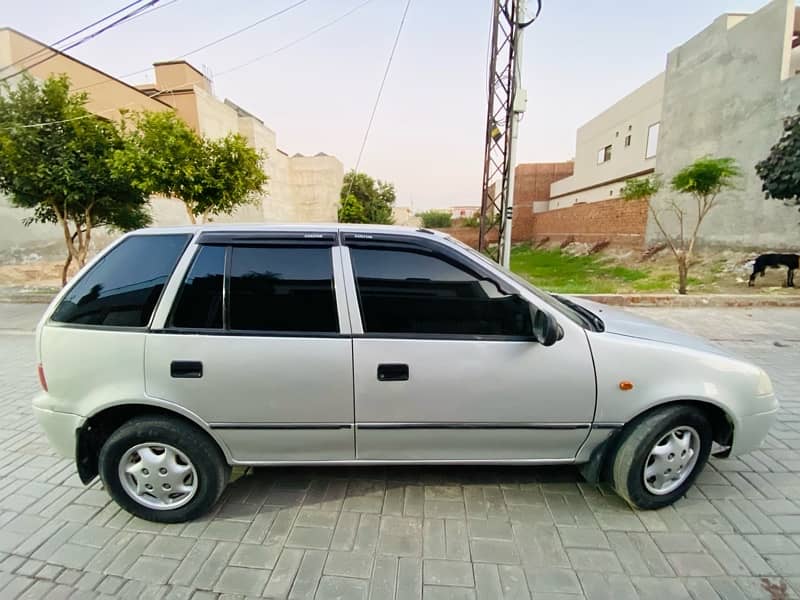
634	448
212	470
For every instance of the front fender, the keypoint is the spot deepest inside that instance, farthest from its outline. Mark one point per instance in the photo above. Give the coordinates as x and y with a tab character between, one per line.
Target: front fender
662	373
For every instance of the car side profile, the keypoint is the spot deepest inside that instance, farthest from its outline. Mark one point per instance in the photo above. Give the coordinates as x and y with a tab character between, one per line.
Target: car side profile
179	353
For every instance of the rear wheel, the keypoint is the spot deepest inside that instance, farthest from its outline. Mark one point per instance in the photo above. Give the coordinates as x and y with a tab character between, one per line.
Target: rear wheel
660	456
163	469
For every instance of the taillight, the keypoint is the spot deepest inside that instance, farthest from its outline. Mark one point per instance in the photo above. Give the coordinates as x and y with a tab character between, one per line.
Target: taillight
42	379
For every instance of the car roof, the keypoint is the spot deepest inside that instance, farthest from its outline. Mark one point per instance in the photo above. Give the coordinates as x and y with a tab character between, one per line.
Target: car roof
290	227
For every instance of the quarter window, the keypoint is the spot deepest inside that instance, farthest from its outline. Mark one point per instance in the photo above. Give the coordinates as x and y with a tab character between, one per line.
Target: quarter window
405	292
122	289
282	289
199	304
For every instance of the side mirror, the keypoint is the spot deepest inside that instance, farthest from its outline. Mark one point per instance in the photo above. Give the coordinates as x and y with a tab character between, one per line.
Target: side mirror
545	328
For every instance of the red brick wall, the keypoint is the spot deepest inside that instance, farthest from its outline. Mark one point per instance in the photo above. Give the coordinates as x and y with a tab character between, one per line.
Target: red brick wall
621	221
468	235
532	183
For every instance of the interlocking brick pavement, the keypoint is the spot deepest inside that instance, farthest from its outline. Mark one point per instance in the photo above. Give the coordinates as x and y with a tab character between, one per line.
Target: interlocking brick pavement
409	532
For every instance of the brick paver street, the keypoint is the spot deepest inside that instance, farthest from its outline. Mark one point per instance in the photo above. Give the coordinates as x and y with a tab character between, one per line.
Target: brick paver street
493	532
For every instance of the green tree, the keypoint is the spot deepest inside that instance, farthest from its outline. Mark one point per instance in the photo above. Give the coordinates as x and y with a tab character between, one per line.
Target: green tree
55	159
780	170
351	211
436	219
163	155
703	180
375	196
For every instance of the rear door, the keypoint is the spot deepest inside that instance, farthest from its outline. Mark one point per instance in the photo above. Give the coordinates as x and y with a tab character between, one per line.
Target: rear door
445	367
257	344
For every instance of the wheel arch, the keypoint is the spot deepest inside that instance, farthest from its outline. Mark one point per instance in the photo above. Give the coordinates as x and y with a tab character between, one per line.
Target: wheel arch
722	427
97	428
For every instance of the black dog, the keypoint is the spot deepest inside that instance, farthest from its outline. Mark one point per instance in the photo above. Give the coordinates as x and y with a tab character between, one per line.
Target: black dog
773	261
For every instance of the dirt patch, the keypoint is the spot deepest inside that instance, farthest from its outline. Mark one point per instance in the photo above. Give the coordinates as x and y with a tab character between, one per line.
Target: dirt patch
38	274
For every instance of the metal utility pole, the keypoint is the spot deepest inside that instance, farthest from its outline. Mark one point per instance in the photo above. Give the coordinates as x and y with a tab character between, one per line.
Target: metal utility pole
507	102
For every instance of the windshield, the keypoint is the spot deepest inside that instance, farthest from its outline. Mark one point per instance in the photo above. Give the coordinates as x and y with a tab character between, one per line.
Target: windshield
546	297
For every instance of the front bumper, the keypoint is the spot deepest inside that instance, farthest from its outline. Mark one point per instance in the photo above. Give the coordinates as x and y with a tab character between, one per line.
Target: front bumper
60	428
752	430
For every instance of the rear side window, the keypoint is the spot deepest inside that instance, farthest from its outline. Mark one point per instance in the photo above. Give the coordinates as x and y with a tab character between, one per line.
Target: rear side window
123	288
282	289
199	304
406	292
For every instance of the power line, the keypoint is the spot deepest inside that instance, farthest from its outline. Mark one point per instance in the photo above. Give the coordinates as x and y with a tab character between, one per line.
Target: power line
295	41
380	92
60	121
84	39
209	44
152	10
70	36
243	29
225	72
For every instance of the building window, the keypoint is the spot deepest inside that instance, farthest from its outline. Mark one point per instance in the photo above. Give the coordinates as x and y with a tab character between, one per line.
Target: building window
627	140
604	155
652	140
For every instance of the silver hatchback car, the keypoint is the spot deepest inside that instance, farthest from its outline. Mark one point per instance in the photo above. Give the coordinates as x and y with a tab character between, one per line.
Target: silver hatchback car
178	353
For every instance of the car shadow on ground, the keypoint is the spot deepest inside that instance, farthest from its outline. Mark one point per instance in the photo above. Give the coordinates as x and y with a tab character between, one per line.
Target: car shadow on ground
335	487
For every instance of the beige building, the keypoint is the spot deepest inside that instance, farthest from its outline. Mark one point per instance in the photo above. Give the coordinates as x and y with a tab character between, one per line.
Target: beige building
300	188
619	143
724	93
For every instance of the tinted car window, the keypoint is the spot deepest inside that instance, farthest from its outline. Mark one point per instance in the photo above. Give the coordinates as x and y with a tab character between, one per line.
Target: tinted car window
282	289
123	288
408	292
199	304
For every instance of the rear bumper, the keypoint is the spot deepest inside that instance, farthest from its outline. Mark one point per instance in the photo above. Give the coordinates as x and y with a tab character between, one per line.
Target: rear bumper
60	428
752	430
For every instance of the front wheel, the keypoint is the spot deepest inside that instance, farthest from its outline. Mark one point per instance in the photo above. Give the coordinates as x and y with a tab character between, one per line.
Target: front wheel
163	469
661	455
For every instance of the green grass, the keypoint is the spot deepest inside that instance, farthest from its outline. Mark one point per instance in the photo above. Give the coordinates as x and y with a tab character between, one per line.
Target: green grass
553	270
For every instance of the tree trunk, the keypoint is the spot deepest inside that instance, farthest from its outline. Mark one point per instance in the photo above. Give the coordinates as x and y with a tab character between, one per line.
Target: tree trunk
683	273
192	218
65	269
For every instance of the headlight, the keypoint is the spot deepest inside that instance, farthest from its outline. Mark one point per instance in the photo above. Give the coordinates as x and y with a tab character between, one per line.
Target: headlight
764	384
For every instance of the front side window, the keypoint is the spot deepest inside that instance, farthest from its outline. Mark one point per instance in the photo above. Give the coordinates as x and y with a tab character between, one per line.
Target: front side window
282	289
407	292
122	289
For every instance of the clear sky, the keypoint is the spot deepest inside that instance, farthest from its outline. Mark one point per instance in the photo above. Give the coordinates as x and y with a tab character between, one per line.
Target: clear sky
580	57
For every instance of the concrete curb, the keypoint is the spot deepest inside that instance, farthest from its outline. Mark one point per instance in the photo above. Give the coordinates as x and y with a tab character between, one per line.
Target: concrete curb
696	301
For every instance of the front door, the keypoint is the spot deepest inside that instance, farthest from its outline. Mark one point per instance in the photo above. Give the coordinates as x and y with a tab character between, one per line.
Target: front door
256	346
446	368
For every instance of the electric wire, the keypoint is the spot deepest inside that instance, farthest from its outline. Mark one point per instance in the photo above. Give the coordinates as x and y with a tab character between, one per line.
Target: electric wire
70	36
378	98
230	70
83	39
209	44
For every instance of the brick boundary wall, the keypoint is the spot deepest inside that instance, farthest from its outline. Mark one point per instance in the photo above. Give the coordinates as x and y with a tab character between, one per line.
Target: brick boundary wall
623	222
468	235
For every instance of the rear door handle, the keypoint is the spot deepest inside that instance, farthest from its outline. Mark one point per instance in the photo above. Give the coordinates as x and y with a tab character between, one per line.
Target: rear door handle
392	372
187	369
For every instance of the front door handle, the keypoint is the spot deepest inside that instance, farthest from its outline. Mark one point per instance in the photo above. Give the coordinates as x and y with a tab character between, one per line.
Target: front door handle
392	372
187	369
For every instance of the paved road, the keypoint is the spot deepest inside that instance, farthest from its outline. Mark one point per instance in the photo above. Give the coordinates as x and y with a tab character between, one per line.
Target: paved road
412	532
